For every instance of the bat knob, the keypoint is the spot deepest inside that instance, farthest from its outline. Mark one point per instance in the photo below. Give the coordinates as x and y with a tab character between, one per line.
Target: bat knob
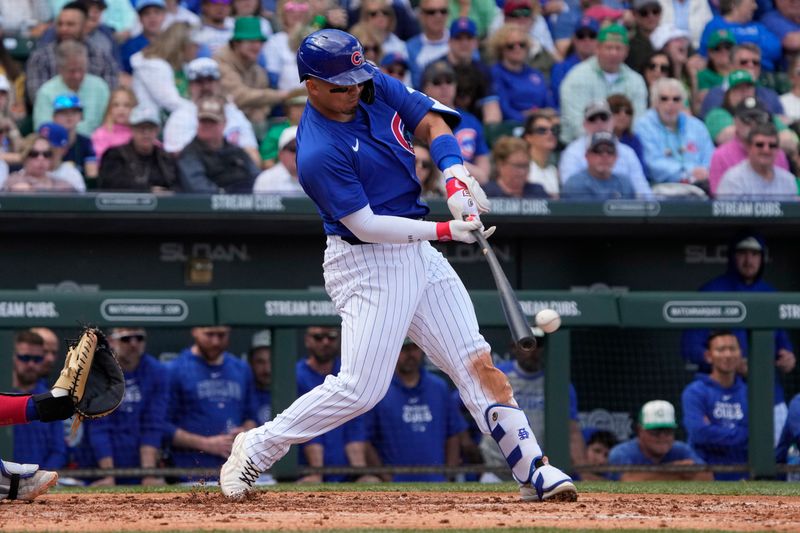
528	344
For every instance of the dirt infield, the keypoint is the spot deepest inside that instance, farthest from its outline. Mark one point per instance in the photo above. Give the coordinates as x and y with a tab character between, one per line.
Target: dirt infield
319	511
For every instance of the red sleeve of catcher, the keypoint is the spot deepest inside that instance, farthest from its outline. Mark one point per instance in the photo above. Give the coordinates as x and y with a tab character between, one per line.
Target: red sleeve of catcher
12	409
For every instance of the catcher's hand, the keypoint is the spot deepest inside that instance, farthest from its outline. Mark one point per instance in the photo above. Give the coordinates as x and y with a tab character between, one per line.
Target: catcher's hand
91	376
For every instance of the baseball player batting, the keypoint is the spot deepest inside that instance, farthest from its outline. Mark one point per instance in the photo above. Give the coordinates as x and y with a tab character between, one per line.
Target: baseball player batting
356	162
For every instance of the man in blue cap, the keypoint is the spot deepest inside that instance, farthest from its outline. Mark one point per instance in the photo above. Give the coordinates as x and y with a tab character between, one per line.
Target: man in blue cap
151	16
584	46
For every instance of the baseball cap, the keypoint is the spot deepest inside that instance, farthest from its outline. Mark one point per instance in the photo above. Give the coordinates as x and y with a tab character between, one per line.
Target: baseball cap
394	58
513	5
613	33
144	114
602	137
720	36
5	85
739	77
657	414
463	25
57	134
666	33
202	67
639	4
141	4
749	243
596	108
587	23
247	29
438	70
67	101
261	339
211	108
287	136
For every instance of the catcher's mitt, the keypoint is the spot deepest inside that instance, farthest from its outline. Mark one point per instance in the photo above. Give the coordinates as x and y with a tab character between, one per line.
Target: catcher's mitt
92	376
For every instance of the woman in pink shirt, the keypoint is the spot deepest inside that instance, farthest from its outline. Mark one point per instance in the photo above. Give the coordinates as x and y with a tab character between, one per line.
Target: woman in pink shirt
115	130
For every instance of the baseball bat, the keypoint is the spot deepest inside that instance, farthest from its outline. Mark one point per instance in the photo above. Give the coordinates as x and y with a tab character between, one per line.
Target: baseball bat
515	317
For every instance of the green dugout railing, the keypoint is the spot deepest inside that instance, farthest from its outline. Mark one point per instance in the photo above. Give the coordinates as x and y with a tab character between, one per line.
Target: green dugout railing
285	311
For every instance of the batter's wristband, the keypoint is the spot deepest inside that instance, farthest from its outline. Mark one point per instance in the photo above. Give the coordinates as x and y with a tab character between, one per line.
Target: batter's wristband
446	152
443	231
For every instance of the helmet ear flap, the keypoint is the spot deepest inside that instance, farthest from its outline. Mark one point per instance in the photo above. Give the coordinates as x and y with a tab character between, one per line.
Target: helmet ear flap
368	92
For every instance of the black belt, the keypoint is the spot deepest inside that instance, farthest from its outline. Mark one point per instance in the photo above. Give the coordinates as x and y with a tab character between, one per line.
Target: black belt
353	240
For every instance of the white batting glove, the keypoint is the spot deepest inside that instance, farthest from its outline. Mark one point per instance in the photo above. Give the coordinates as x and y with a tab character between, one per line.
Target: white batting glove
461	230
465	196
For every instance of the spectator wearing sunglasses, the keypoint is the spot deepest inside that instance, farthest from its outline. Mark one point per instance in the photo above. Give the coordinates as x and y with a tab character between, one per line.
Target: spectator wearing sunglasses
541	134
131	436
432	42
582	46
282	177
379	16
677	146
647	17
719	65
598	180
658	66
40	443
622	122
526	14
521	88
758	177
212	399
36	174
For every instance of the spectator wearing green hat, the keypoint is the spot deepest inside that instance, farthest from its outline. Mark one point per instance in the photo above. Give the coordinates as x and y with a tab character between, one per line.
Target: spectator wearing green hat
599	77
720	62
243	79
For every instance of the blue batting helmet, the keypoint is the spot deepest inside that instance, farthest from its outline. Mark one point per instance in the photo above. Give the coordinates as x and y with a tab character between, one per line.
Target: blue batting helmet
336	57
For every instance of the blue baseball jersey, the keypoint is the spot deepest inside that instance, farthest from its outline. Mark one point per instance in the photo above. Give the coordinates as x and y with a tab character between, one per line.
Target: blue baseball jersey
208	400
264	403
139	420
715	419
630	453
791	431
335	440
345	166
40	443
411	425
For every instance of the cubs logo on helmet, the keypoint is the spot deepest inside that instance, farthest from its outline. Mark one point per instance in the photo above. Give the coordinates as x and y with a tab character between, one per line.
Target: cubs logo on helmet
357	58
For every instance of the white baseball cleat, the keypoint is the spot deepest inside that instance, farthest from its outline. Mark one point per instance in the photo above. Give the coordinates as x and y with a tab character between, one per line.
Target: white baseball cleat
548	483
23	481
239	474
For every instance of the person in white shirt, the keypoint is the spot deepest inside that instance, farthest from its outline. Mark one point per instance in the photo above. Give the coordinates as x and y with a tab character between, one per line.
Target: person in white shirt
758	177
791	100
282	177
541	134
203	75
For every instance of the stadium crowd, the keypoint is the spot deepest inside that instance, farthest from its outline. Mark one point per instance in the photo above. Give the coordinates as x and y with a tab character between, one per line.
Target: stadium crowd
559	98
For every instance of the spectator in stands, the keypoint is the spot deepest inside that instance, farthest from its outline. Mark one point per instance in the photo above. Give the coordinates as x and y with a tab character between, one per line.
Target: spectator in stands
677	146
417	422
647	17
790	433
293	106
599	443
68	112
737	16
15	76
396	66
243	79
563	21
675	43
380	17
58	136
50	350
582	46
715	406
341	446
155	68
541	134
597	118
521	88
42	64
747	114
39	443
115	129
745	56
784	22
439	82
140	164
526	15
658	66
474	87
719	65
745	273
525	372
36	174
432	42
212	399
512	164
599	181
210	164
655	444
791	100
152	14
259	357
280	52
622	121
428	174
587	82
370	41
281	178
177	12
217	24
119	16
719	121
26	18
131	436
10	137
72	78
203	75
758	177
688	15
252	8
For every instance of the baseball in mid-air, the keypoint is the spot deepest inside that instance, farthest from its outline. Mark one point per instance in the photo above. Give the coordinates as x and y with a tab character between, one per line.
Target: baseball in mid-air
548	320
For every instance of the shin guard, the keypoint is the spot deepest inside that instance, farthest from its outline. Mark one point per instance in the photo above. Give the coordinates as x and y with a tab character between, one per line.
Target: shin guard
511	430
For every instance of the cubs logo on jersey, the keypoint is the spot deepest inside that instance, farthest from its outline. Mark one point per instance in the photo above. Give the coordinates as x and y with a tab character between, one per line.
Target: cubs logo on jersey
401	135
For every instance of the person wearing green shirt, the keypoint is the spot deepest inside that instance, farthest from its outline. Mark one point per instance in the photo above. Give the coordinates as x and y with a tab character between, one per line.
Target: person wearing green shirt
294	105
720	44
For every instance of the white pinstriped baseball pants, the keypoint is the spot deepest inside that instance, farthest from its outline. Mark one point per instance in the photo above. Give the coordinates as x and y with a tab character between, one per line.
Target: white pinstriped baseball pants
383	292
